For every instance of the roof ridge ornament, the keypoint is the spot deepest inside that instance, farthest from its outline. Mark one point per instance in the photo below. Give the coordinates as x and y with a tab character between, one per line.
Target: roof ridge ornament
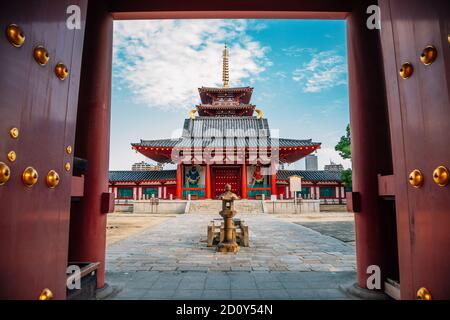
225	71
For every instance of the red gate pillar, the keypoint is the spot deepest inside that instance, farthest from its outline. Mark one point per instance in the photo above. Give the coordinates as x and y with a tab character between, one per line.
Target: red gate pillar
208	181
179	192
244	181
370	142
273	179
88	222
340	193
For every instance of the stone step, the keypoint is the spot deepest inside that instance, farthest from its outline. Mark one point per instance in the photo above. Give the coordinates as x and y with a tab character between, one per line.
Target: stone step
214	206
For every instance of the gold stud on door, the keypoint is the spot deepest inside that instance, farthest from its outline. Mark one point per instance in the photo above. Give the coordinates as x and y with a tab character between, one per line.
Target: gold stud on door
441	176
416	178
423	294
30	176
15	35
406	70
429	54
41	56
52	179
46	294
61	71
5	173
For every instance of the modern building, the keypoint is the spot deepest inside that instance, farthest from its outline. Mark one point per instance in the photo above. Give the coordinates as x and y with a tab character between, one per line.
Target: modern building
144	166
333	167
311	162
225	140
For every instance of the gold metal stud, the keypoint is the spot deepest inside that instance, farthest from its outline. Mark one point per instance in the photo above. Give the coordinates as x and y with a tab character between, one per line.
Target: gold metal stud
12	156
41	56
30	176
15	35
423	294
46	294
406	70
61	71
52	179
441	176
69	149
428	55
14	133
416	178
5	173
67	166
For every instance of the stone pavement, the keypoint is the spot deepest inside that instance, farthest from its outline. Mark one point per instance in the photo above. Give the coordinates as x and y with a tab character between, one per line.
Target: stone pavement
284	260
154	285
341	230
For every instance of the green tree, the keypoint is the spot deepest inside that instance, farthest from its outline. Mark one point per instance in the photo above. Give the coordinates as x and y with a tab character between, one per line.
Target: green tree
345	151
346	177
344	145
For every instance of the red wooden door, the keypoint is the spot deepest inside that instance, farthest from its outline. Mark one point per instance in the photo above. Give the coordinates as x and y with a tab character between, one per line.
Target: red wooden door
222	176
34	223
419	112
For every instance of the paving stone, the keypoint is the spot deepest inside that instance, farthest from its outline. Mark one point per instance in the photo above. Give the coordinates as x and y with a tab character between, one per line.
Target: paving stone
269	285
158	295
217	284
274	294
182	294
245	294
131	293
216	294
192	283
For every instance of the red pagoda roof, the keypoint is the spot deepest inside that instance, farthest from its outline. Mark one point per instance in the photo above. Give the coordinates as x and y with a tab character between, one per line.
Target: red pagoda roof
242	94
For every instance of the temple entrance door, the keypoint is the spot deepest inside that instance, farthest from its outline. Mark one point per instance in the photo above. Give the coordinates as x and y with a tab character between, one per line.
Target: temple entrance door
419	112
34	227
223	175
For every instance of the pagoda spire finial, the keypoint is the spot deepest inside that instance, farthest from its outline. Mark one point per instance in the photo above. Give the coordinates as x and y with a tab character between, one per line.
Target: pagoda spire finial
225	72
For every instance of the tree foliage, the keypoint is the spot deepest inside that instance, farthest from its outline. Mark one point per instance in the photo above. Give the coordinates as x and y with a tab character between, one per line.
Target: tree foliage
344	145
346	177
344	149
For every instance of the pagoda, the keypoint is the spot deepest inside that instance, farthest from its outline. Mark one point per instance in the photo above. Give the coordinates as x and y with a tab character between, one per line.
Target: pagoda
226	140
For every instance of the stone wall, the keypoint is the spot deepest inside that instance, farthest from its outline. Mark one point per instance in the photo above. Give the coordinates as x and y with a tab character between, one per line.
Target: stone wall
288	206
163	206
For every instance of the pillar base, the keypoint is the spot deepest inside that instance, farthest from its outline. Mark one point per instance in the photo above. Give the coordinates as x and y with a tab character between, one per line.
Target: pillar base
228	247
105	292
355	291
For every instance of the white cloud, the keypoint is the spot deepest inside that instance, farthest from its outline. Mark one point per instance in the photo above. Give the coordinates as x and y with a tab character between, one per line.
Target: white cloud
163	62
294	51
324	70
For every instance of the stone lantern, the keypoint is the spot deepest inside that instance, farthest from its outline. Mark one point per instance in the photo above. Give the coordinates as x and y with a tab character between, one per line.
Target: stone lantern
229	240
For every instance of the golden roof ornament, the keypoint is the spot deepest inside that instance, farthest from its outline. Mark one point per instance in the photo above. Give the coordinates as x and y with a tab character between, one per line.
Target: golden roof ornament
225	72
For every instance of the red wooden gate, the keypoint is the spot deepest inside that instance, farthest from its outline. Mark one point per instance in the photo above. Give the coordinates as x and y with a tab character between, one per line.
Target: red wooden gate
223	175
34	224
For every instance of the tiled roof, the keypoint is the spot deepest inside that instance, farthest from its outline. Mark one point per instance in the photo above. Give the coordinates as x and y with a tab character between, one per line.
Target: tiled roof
310	175
212	142
216	126
124	176
224	106
224	89
158	143
246	131
206	92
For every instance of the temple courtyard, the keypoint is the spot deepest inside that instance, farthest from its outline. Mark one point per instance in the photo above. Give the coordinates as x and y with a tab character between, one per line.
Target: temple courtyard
290	257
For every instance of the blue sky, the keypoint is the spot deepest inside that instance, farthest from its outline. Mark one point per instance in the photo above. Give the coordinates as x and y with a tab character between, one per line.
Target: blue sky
298	69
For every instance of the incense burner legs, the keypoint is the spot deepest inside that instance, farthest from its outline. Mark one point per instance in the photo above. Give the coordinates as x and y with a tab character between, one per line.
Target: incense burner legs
229	242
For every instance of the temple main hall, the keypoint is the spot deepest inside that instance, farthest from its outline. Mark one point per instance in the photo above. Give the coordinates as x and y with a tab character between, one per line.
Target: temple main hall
226	140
